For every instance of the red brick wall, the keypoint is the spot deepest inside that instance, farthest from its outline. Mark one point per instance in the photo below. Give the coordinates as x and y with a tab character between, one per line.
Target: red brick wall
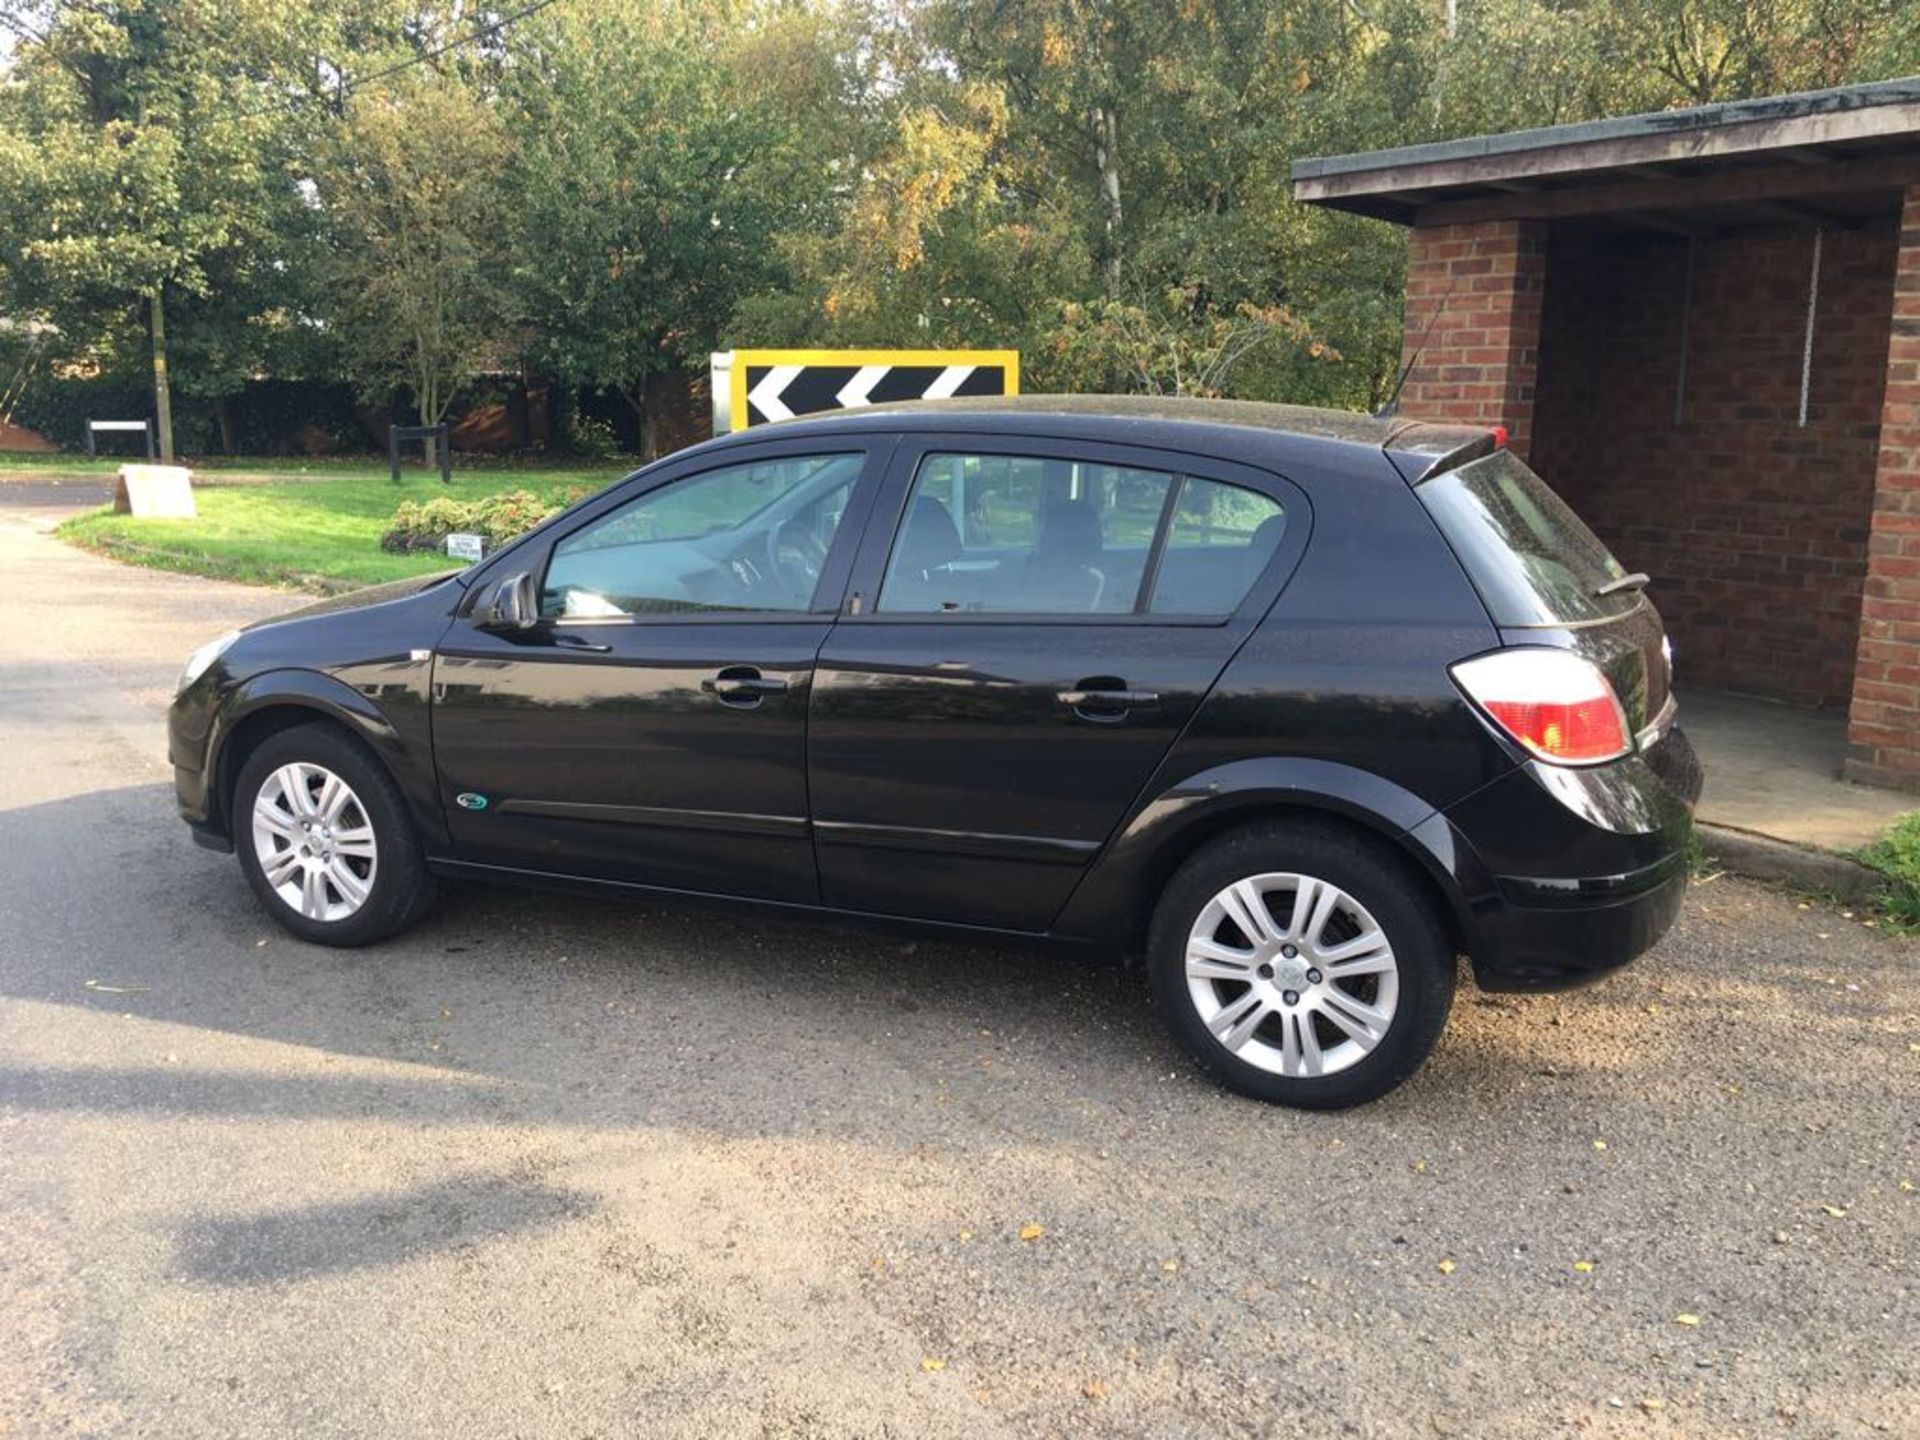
1472	318
1753	528
1884	728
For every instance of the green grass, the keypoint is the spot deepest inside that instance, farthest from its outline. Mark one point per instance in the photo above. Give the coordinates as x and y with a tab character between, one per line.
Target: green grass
320	534
1897	856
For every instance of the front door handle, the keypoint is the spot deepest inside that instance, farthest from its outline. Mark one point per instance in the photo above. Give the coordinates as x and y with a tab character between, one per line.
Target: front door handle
1102	700
742	686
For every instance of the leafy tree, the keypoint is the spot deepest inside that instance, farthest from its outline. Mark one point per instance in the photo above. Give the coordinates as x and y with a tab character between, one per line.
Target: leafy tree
144	172
413	206
655	168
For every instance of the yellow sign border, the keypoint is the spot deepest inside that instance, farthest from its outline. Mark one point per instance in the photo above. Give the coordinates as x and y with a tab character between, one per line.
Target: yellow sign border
1006	360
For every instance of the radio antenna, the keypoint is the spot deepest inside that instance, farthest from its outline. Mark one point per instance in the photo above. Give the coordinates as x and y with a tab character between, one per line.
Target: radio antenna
1392	406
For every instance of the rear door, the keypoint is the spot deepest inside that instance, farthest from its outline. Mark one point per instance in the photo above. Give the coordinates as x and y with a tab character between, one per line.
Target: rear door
1031	624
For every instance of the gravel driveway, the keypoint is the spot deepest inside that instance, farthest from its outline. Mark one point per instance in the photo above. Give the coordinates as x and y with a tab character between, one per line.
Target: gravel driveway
548	1167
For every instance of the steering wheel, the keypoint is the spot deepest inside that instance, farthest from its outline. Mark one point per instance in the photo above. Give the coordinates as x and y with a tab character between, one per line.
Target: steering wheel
797	557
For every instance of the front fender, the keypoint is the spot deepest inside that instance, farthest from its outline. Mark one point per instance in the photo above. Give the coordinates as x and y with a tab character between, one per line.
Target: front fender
1114	900
394	726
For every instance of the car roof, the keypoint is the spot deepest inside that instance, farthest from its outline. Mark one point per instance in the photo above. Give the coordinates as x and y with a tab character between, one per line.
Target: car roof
1249	430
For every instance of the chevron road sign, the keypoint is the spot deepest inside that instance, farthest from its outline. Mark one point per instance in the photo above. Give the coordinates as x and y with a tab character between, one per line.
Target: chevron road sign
751	387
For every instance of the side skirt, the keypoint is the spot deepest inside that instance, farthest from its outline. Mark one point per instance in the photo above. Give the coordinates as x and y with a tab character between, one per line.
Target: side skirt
771	909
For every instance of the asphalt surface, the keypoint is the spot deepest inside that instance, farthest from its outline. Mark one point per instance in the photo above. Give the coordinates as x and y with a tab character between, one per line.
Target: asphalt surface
546	1167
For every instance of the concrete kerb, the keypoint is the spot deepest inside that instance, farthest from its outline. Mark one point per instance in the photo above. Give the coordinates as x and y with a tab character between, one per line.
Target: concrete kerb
1760	857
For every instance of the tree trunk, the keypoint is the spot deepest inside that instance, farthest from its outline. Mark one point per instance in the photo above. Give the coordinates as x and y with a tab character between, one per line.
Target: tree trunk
162	390
1106	153
653	415
428	406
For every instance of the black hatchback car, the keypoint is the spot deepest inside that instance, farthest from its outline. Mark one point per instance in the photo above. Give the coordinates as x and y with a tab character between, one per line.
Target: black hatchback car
1297	704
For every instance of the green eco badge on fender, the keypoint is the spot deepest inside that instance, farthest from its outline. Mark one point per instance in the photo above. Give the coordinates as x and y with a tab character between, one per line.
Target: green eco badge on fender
467	800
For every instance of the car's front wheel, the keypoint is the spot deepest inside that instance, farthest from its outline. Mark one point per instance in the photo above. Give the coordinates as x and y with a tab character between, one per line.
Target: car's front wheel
1301	963
324	838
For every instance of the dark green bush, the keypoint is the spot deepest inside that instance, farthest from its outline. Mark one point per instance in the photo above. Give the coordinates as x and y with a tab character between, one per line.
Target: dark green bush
1897	856
425	524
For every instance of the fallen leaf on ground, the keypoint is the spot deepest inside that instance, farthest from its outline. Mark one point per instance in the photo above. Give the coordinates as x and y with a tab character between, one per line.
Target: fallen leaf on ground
1446	1267
1172	1265
1838	1212
1684	1319
1032	1232
966	1235
930	1364
1094	1389
1599	1144
1585	1267
1652	1403
1906	1187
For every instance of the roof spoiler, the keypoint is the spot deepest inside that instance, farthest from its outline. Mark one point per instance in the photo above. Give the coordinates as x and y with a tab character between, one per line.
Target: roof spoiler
1422	449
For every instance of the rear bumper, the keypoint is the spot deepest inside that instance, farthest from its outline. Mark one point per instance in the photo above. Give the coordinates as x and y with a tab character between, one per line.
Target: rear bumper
1575	872
1575	940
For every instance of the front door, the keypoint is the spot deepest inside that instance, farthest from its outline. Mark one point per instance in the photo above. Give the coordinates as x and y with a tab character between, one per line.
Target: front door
652	727
1022	645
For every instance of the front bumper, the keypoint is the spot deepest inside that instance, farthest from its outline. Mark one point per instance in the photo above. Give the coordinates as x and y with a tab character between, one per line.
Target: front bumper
1578	871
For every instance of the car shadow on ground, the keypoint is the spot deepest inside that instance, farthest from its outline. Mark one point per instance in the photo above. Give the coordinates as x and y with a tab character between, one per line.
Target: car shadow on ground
614	1013
378	1230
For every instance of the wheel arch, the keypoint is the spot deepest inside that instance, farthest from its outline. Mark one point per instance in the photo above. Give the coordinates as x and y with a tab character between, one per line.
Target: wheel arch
267	704
1114	903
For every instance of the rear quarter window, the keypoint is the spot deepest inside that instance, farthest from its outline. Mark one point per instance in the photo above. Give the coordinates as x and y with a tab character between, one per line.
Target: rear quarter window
1534	562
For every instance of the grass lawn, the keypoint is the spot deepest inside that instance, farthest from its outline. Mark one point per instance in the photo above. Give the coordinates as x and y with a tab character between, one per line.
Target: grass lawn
319	532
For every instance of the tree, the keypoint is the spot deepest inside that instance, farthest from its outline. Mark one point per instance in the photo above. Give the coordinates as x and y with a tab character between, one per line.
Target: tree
655	167
412	202
142	171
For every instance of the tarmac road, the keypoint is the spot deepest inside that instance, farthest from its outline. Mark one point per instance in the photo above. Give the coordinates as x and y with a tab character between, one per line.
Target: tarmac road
546	1167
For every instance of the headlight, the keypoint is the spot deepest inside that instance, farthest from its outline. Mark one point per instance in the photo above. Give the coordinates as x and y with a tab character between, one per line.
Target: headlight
200	659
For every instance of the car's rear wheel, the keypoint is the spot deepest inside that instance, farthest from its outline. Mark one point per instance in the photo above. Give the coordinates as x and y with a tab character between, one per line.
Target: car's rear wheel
324	838
1301	963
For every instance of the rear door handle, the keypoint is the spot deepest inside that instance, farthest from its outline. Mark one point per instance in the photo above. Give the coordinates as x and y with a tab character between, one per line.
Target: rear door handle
1108	704
742	686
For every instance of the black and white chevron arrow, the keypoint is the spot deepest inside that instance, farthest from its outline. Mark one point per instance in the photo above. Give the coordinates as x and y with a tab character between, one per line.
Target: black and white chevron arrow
752	387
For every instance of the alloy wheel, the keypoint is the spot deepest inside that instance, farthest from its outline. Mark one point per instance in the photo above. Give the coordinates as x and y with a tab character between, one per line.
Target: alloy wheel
1291	974
315	841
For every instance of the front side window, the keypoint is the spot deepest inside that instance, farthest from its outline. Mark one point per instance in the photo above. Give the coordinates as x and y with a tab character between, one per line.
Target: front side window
1031	535
750	537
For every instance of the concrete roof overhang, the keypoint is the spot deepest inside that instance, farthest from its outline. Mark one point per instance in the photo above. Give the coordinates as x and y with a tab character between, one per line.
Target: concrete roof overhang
1824	157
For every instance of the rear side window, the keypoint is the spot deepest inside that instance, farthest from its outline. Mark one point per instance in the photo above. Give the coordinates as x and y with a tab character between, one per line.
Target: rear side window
1034	535
1534	562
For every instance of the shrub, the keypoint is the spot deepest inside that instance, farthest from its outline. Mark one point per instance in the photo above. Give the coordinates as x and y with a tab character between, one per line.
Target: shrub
1897	856
593	439
425	524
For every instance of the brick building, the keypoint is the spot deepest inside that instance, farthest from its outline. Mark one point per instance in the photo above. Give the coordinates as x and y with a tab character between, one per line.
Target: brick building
1703	328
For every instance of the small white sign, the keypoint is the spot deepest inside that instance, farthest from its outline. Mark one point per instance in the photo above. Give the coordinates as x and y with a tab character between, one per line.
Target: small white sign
160	492
466	547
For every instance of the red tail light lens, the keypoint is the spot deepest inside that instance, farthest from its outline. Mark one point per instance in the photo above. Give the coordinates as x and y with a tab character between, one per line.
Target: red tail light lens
1555	704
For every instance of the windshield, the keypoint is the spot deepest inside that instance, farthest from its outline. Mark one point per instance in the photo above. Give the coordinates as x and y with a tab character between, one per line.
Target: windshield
1534	562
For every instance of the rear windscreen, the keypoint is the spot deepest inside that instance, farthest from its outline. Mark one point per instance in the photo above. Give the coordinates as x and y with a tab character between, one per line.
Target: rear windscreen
1532	559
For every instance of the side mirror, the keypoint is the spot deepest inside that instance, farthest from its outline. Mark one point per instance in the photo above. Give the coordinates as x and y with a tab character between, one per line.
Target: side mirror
513	605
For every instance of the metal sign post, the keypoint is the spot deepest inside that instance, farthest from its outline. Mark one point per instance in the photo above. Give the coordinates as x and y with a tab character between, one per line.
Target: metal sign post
99	427
752	387
437	433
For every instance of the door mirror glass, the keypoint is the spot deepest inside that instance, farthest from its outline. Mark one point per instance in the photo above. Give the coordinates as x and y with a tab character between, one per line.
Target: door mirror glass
511	606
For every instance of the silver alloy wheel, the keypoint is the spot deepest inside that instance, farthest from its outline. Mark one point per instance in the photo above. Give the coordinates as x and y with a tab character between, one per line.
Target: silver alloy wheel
314	840
1291	974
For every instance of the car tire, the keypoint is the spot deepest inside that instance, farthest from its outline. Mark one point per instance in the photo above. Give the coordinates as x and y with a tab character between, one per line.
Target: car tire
1292	1032
325	840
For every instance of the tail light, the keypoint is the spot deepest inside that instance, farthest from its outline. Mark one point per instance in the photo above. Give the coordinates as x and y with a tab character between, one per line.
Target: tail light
1557	705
